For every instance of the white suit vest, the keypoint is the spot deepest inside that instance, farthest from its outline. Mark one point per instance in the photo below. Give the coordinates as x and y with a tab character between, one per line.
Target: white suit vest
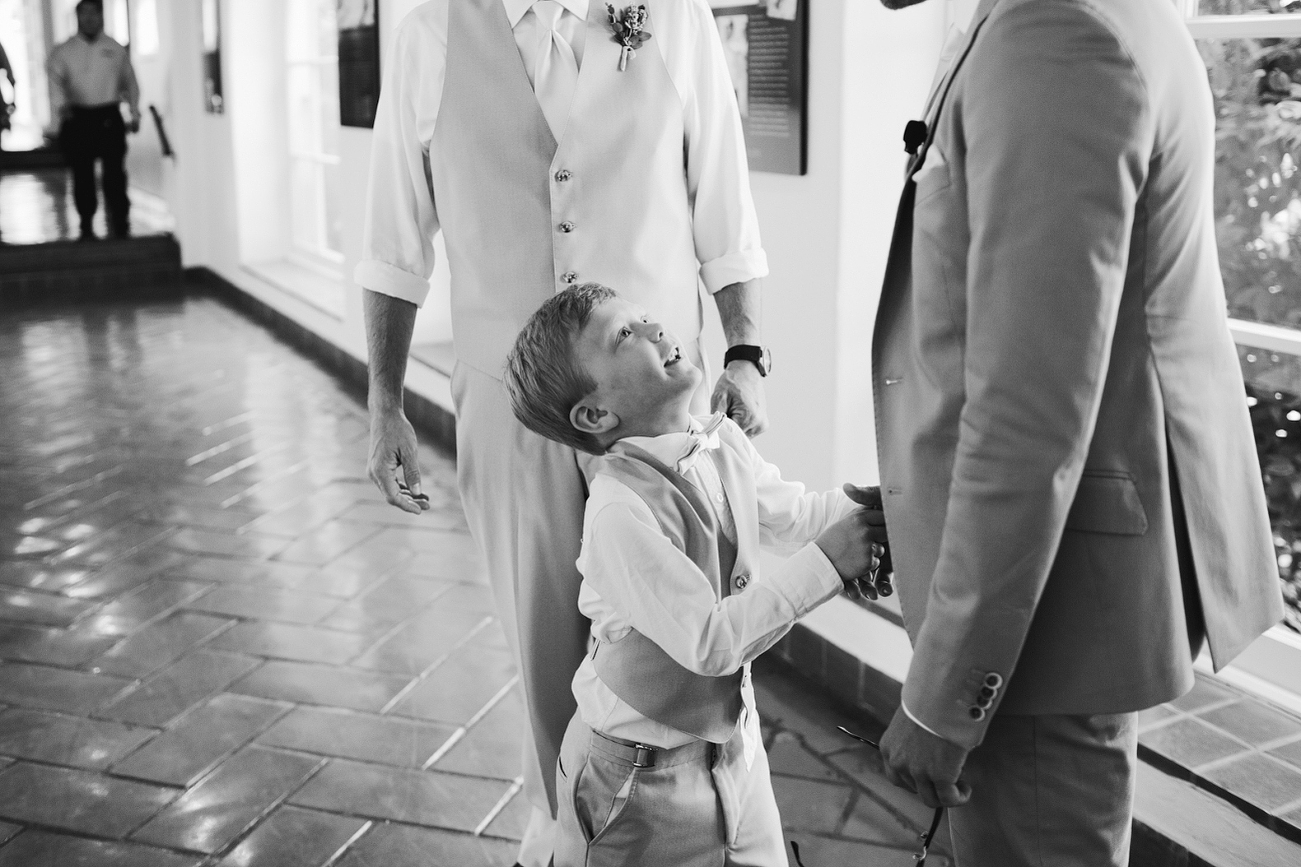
525	217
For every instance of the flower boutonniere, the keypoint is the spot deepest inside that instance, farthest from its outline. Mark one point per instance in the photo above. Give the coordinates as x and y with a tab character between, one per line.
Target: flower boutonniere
629	28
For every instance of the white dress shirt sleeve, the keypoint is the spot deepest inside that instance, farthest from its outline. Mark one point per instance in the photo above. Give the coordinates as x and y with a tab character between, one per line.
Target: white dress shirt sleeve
130	87
401	216
634	568
718	177
789	516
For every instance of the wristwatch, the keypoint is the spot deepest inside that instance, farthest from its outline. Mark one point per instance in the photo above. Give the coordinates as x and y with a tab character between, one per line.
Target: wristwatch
759	356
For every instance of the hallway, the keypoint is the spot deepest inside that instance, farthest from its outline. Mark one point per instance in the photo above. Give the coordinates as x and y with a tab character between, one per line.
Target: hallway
220	647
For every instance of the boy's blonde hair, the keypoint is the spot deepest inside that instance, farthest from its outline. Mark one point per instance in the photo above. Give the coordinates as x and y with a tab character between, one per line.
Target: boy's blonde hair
543	378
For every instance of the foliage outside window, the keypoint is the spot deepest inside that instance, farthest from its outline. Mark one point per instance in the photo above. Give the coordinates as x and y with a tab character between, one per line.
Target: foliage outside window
1256	84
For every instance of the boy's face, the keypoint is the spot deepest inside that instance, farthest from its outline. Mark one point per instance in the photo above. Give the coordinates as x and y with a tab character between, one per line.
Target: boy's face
644	380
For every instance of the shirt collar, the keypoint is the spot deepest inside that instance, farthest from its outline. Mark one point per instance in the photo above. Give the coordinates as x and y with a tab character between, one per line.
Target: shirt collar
680	450
515	9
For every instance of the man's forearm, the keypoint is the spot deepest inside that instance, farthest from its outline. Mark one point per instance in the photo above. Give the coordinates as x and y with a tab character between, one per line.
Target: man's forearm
740	311
389	324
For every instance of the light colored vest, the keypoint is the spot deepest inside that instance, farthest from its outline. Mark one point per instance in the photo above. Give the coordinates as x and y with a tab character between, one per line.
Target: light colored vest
635	668
524	218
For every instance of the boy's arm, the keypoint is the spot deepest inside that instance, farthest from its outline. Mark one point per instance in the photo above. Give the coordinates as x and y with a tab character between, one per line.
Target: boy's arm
635	568
789	516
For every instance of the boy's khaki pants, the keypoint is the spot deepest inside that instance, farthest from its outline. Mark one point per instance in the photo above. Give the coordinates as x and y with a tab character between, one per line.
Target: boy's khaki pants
697	807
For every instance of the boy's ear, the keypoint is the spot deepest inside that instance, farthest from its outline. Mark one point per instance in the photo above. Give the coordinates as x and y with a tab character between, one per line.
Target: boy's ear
589	418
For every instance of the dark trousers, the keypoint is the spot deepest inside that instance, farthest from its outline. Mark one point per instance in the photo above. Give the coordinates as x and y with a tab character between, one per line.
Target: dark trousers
91	134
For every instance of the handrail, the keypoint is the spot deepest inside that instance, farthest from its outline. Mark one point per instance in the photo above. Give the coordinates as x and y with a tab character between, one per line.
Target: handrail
162	131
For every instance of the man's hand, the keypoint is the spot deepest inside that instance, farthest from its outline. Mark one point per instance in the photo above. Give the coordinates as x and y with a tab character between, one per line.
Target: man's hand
739	395
393	451
854	545
923	763
133	125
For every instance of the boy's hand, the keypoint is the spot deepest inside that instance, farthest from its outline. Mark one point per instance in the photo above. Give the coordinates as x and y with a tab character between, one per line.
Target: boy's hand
855	545
878	582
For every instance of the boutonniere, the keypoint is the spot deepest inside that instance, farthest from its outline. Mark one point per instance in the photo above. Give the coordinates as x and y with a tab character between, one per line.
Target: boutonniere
629	28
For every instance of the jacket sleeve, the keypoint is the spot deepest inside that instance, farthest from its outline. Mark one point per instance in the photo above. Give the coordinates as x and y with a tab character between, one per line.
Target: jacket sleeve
1058	133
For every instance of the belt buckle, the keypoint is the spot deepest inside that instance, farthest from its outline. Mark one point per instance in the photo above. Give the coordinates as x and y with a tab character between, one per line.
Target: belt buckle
645	757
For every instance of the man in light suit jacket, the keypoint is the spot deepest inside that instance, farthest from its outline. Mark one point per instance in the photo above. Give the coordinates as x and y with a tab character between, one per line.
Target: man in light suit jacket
1068	470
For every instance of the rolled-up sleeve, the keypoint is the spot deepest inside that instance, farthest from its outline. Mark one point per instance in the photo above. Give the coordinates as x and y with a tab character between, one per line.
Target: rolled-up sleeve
401	218
718	176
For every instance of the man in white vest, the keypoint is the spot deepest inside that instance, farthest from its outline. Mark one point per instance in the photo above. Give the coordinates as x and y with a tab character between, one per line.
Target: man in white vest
551	147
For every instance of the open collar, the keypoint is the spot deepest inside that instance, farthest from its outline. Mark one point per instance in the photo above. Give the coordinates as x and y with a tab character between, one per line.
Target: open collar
515	9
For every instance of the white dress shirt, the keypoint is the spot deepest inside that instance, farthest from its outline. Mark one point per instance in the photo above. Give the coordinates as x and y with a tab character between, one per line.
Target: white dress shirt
635	578
402	216
92	74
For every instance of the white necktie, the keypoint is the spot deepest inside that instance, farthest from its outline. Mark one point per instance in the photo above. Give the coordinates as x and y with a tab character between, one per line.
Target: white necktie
556	70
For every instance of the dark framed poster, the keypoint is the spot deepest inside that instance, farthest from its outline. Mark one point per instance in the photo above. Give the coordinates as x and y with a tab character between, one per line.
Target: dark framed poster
766	45
358	61
211	31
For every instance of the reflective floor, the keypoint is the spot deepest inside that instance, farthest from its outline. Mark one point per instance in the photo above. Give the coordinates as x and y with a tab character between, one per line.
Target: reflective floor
219	647
37	207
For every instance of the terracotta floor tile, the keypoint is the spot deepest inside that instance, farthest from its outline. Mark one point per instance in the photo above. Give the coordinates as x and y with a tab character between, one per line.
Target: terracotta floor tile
7	831
264	604
43	849
52	646
808	805
325	543
457	689
416	797
513	819
173	690
81	801
40	576
132	610
50	688
290	641
1191	743
161	643
249	545
323	685
61	739
228	800
1261	781
1253	722
1204	694
41	609
365	737
787	756
294	837
405	846
491	747
396	598
201	739
453	556
818	850
127	574
422	641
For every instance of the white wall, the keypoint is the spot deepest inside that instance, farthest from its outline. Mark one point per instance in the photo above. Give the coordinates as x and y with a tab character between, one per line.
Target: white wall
826	233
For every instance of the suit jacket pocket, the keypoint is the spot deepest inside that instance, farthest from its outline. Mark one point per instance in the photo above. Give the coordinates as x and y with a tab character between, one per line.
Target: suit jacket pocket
933	176
1107	502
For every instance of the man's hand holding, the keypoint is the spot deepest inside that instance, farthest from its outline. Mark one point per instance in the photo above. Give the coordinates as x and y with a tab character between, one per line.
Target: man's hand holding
924	763
739	395
393	464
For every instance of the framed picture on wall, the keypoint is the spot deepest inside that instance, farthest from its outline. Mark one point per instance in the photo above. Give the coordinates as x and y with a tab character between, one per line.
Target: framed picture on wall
358	61
211	30
766	46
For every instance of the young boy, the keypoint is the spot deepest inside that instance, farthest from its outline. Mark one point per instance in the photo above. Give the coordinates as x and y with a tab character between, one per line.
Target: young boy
663	763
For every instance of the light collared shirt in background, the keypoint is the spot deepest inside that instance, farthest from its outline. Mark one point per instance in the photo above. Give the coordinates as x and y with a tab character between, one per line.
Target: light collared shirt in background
91	74
635	578
398	254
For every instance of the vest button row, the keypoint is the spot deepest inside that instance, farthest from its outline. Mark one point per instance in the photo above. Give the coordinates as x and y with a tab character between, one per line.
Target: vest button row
742	581
566	227
564	175
570	277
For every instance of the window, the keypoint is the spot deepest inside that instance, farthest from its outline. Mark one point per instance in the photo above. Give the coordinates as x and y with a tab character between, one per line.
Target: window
312	84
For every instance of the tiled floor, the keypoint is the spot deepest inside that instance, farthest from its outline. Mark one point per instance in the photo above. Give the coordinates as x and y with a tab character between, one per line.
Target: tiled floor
219	647
37	207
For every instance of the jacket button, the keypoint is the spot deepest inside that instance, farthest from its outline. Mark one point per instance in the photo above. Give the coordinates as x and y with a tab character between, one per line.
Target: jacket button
993	680
570	277
564	175
566	227
976	712
742	581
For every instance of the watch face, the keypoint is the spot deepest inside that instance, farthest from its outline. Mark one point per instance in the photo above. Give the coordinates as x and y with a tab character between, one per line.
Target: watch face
765	363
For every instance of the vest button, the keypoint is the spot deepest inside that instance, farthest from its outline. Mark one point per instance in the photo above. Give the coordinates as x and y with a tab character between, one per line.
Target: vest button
566	227
569	277
741	581
564	175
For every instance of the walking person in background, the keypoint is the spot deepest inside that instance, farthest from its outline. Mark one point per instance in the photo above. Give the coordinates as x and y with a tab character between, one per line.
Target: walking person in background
632	174
6	107
91	76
